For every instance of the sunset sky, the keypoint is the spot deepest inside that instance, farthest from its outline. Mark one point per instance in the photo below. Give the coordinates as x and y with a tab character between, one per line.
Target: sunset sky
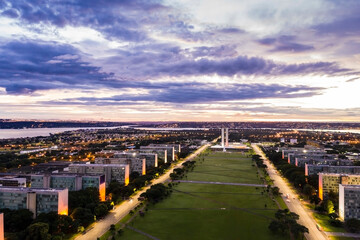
198	60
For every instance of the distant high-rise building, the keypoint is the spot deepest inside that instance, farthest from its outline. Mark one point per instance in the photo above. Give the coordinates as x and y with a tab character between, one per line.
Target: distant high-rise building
227	138
222	138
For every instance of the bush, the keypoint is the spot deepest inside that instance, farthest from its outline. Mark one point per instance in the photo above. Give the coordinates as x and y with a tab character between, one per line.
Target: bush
335	223
112	227
353	225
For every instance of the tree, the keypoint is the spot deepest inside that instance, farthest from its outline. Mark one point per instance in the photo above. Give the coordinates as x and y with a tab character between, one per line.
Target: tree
329	207
17	220
275	191
112	227
84	216
309	190
315	199
101	210
285	223
38	231
88	198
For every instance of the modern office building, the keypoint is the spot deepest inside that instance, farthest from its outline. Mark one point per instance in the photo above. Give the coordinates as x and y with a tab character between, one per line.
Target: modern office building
177	147
161	153
112	172
11	181
73	182
311	156
300	162
49	167
330	182
349	202
35	199
287	151
311	169
136	164
151	158
170	151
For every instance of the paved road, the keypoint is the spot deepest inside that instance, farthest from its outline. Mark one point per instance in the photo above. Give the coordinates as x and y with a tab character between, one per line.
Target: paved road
223	183
294	205
102	226
342	234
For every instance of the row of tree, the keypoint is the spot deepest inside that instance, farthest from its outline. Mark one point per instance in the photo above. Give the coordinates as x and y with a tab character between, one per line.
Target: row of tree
285	223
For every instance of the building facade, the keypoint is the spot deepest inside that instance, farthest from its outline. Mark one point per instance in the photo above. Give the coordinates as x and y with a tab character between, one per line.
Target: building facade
330	182
73	182
112	172
12	182
35	199
349	202
170	151
311	169
136	164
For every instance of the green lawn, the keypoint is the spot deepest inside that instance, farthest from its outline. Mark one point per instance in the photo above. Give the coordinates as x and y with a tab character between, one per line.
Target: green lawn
207	211
323	221
341	238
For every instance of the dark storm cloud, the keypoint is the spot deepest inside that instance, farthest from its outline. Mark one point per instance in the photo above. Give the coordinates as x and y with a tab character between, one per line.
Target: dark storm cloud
29	66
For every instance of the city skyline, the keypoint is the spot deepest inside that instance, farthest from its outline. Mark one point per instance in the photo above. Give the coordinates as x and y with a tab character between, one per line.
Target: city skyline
180	60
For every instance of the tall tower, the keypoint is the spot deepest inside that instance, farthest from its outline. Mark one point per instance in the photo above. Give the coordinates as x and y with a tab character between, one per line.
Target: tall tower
222	137
227	138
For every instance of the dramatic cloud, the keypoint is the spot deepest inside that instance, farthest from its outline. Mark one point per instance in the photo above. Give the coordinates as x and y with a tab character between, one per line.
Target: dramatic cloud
200	93
285	44
29	66
134	54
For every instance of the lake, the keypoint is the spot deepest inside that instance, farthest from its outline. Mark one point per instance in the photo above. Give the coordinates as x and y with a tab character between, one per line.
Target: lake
36	132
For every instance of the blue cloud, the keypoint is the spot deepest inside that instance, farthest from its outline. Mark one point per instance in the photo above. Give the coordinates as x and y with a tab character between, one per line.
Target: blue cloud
29	66
285	43
120	19
204	93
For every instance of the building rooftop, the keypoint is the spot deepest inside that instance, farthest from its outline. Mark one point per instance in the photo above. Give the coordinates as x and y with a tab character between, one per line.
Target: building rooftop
21	189
100	165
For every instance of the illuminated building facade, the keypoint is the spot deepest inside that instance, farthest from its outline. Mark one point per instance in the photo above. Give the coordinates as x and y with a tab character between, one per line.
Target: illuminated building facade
136	164
2	235
330	182
170	151
151	158
73	182
35	199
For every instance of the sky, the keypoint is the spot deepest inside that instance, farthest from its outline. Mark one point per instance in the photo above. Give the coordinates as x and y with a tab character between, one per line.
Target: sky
180	60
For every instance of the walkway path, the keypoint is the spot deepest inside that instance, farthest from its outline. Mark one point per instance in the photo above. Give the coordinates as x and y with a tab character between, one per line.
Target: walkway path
222	183
143	233
294	204
342	234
